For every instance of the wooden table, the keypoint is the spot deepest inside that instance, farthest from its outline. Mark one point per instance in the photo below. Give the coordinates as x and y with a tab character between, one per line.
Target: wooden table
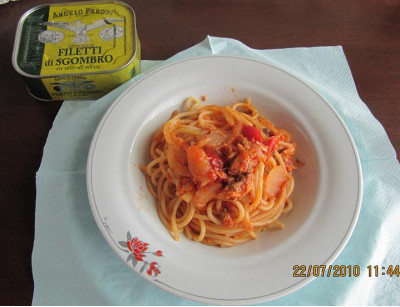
368	31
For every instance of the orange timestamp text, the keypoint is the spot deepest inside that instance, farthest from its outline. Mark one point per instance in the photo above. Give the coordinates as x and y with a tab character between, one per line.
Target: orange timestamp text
344	270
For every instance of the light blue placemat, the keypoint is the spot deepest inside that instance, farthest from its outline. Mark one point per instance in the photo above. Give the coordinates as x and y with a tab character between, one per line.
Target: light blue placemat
73	265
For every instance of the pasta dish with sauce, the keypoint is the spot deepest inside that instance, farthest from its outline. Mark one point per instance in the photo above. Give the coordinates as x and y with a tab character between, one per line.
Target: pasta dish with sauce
220	174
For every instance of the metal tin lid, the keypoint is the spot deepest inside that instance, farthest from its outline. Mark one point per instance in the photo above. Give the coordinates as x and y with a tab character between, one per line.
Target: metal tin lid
75	38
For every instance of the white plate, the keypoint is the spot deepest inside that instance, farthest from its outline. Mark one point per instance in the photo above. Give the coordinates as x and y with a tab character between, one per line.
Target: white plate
327	195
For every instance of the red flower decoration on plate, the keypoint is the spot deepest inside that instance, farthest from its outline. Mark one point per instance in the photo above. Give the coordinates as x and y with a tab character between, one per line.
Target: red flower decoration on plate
152	269
138	248
137	251
158	253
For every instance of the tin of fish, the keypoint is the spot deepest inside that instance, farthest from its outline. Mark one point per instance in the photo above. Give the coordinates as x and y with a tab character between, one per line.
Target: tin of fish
76	50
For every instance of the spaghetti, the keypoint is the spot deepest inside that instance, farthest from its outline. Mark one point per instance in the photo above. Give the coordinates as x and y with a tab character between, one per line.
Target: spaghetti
220	174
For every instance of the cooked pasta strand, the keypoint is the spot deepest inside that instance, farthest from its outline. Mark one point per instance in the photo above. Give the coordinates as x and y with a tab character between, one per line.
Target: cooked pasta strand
220	174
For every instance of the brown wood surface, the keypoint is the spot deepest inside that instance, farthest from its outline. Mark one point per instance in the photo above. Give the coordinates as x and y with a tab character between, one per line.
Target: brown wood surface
369	32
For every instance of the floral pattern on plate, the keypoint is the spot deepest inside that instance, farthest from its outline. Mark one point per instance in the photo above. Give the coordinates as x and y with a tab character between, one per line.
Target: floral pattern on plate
138	252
